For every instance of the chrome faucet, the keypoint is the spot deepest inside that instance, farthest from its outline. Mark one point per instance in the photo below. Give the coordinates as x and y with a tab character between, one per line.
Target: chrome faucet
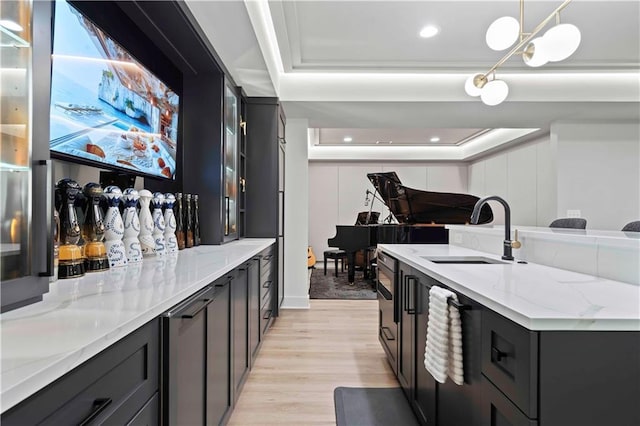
507	244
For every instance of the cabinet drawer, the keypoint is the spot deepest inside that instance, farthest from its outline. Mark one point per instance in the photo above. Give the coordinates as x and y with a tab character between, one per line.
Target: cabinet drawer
266	314
498	410
266	258
265	289
510	360
115	384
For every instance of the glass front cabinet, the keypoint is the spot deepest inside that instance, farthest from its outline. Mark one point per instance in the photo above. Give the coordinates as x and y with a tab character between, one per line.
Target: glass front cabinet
231	154
26	246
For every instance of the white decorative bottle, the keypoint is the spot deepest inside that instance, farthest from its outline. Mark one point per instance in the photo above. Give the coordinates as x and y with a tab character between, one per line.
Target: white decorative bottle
147	241
158	224
114	228
131	225
170	223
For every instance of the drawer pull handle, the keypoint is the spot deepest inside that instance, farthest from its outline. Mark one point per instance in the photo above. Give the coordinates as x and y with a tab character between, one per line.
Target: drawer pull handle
191	315
266	284
267	315
98	407
387	333
267	257
497	354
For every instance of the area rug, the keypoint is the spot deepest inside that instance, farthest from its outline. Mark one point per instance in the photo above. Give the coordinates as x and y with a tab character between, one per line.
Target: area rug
331	287
372	407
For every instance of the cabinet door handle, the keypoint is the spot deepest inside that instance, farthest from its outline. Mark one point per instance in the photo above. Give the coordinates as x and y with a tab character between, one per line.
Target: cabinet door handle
43	177
267	315
408	297
98	407
266	284
387	333
227	224
191	315
497	354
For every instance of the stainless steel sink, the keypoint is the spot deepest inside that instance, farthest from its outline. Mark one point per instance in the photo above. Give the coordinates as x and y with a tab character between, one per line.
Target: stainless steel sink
463	260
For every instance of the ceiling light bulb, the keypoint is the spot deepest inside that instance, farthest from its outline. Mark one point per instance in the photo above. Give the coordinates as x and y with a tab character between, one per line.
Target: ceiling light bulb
10	25
535	53
561	41
347	139
502	33
429	31
434	139
473	85
494	92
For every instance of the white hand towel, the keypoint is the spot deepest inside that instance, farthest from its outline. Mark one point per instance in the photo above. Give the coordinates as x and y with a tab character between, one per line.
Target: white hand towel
443	351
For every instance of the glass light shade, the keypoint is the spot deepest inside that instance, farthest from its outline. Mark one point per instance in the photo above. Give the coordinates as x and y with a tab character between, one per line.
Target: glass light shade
503	32
561	41
494	92
471	88
536	53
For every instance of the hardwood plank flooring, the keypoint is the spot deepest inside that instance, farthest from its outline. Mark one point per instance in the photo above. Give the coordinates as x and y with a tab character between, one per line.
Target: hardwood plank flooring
305	356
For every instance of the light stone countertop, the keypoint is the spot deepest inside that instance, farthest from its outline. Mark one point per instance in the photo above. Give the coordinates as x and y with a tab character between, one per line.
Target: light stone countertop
535	296
79	318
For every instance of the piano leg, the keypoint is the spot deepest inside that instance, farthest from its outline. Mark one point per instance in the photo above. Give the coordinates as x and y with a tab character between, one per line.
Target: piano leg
351	267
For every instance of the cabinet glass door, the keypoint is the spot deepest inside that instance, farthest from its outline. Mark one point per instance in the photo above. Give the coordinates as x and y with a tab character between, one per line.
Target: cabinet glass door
15	152
231	126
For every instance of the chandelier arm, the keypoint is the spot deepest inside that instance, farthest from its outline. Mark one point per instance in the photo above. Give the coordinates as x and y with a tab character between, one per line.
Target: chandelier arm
521	20
528	38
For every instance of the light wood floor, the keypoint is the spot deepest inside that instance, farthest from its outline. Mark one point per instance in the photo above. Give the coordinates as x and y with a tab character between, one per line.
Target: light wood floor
305	356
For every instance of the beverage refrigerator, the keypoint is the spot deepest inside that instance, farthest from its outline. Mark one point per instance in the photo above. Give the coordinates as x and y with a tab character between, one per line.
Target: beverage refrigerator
26	211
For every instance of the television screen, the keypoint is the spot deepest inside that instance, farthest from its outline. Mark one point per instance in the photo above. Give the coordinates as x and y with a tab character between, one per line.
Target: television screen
106	108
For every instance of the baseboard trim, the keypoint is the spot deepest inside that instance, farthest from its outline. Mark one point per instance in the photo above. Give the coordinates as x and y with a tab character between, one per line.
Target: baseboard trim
297	302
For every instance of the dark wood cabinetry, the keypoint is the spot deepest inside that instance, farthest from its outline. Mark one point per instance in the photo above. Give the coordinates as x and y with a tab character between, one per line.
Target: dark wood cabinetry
423	399
265	191
514	376
218	390
406	348
113	387
444	403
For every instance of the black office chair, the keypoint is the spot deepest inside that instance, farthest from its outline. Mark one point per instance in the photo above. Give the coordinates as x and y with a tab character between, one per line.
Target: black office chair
569	222
632	227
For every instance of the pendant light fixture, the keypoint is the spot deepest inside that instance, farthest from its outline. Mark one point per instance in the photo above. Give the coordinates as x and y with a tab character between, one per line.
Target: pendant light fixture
557	44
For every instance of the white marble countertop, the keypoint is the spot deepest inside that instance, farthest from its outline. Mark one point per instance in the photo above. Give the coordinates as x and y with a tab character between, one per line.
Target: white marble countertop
79	318
535	296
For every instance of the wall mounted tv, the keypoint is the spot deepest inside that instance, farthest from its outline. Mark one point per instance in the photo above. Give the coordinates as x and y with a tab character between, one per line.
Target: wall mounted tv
107	109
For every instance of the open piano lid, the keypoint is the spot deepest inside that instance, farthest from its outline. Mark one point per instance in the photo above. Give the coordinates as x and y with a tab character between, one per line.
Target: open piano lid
413	206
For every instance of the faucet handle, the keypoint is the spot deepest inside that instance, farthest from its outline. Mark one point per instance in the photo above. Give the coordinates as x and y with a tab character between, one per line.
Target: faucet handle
515	243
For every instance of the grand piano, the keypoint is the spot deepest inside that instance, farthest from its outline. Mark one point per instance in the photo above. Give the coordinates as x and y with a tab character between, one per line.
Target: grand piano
420	216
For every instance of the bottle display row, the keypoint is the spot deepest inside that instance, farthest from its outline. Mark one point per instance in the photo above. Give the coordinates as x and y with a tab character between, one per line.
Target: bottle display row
97	228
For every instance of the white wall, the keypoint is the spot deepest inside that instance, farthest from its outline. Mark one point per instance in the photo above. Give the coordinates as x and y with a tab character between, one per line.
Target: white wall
523	176
598	172
337	191
590	167
296	226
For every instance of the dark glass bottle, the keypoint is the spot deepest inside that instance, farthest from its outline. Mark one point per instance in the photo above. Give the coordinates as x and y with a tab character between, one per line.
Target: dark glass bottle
188	221
179	214
196	221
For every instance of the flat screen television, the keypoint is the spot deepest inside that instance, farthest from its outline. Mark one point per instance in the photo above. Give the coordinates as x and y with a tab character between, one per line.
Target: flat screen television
107	109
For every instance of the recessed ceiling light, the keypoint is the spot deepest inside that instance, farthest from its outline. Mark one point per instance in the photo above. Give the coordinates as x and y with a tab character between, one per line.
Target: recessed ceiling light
377	142
10	25
429	31
390	141
347	139
434	139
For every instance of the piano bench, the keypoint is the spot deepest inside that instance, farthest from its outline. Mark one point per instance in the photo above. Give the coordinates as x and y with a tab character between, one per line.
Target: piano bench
336	255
